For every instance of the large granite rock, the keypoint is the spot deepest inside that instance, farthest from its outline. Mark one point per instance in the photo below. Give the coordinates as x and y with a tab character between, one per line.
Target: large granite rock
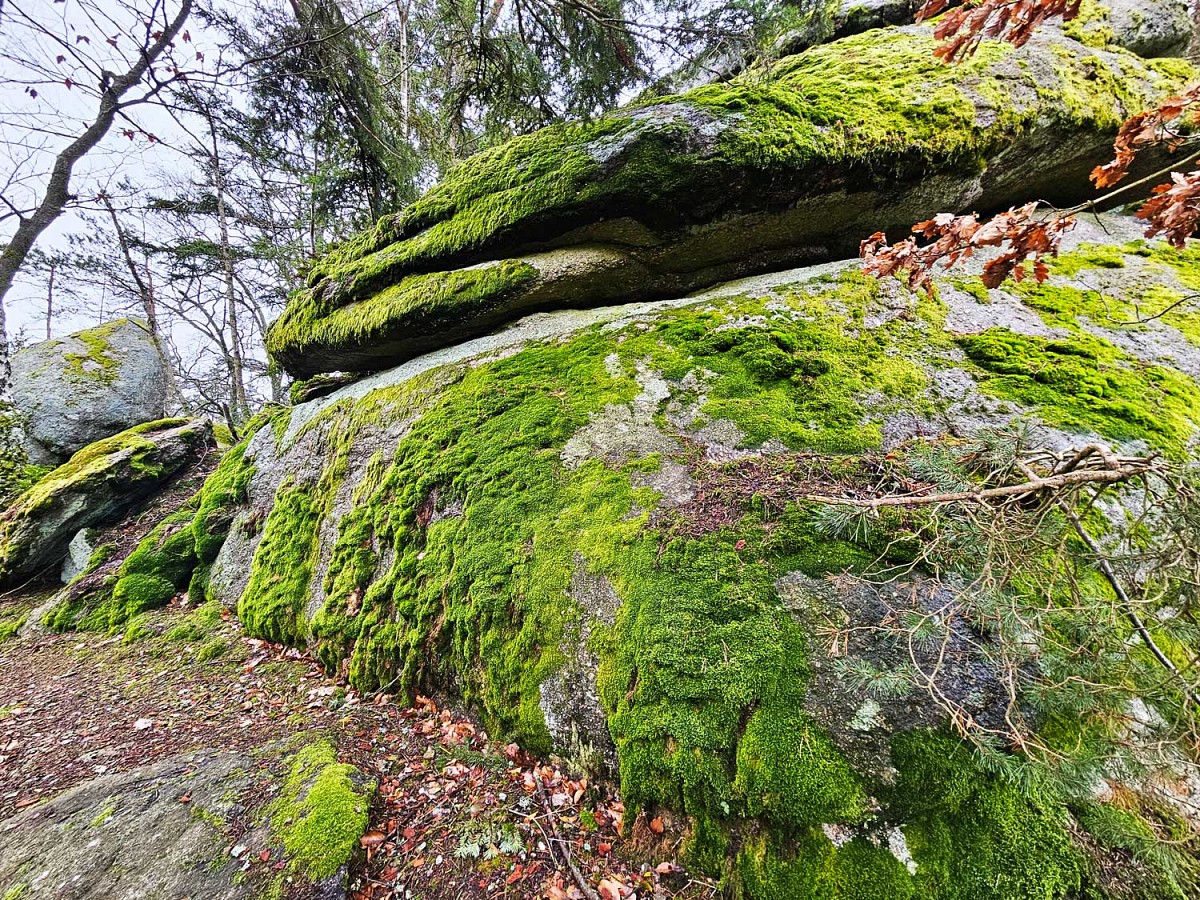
584	524
97	485
167	830
90	385
795	164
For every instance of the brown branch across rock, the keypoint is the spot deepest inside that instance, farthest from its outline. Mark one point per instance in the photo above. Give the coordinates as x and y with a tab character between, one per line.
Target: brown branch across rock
1119	470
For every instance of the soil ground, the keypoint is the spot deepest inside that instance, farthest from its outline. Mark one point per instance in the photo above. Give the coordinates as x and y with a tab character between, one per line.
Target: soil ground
456	815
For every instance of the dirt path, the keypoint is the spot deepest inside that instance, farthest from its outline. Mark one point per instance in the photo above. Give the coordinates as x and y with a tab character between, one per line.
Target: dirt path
456	816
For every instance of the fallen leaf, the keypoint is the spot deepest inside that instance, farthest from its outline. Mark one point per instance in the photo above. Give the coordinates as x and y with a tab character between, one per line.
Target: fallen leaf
372	839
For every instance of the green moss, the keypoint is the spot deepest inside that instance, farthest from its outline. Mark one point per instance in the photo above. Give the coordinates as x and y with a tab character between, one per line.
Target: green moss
320	814
212	649
812	867
94	459
1164	870
198	624
1091	27
104	815
972	835
9	627
418	303
460	539
1087	383
790	773
16	892
97	362
874	109
137	629
274	599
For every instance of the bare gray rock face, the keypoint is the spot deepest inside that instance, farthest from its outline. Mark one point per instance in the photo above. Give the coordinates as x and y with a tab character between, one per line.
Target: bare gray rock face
87	386
126	836
1149	28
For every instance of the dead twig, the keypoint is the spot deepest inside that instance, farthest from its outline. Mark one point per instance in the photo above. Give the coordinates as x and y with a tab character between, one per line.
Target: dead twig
564	851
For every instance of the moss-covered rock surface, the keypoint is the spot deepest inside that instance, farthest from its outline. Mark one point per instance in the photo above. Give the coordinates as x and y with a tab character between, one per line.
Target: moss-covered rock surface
97	485
784	164
585	527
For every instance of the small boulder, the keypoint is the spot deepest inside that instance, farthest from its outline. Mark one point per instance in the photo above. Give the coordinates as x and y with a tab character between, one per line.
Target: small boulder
98	484
88	386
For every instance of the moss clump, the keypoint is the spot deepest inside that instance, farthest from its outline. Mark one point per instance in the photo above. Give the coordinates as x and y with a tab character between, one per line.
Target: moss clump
175	556
1088	383
321	813
790	773
278	588
94	459
418	303
460	540
972	835
812	867
199	624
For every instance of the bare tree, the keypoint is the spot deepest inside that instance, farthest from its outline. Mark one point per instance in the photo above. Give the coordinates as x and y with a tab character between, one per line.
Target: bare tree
115	94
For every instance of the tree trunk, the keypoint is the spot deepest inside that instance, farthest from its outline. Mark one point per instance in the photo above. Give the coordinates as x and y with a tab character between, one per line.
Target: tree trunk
54	201
237	378
145	288
50	297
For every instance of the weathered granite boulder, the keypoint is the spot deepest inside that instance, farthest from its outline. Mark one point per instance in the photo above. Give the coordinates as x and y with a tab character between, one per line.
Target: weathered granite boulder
585	525
98	484
90	385
794	164
1146	27
128	836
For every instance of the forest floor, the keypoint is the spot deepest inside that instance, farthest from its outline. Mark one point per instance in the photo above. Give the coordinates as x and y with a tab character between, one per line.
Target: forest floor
456	815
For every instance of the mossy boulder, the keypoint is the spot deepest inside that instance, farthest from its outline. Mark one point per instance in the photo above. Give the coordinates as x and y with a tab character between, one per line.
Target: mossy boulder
792	163
97	485
585	526
90	385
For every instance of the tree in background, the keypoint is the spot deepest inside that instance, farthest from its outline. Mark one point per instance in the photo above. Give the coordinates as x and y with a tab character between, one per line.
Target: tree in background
88	56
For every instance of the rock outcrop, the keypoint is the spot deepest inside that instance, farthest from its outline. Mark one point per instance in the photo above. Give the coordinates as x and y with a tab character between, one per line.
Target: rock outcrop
88	386
98	484
1146	27
596	525
570	523
775	168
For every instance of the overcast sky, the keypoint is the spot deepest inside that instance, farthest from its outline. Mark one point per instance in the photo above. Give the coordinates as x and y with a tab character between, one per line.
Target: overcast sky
87	35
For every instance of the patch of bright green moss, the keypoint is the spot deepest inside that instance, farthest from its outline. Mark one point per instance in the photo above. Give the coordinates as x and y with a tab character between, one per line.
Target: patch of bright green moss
972	835
790	772
812	867
481	599
418	303
320	814
104	815
1084	382
198	624
97	362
